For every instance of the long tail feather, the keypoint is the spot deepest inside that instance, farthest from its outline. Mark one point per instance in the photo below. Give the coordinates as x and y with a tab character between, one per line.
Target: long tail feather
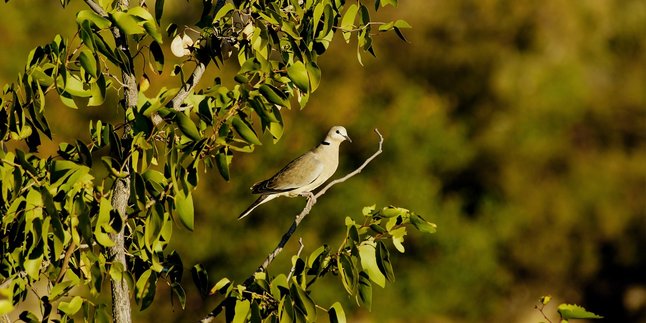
261	199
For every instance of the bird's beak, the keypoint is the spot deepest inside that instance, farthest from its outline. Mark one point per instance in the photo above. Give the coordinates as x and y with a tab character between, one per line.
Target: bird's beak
348	138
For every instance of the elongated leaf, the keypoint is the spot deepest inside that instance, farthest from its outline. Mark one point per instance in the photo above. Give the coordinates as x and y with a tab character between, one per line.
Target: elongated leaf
187	126
383	261
228	7
303	302
365	290
145	288
298	74
572	311
184	208
422	225
223	160
314	74
272	95
347	22
159	10
245	131
89	62
336	313
241	311
96	20
156	57
127	23
368	256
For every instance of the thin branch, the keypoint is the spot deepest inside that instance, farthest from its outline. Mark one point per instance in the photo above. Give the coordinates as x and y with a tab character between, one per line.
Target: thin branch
96	8
311	201
298	254
193	80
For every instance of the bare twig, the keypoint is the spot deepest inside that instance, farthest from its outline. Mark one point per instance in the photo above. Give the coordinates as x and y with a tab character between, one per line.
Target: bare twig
298	254
311	200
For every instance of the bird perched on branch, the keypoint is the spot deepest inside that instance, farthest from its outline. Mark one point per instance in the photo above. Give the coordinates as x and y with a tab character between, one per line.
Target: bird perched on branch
303	174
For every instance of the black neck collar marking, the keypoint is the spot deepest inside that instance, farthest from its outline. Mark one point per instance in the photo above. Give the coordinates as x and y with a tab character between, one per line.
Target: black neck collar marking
325	143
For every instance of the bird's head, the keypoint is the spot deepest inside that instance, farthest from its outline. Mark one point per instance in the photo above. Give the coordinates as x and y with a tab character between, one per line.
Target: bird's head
338	134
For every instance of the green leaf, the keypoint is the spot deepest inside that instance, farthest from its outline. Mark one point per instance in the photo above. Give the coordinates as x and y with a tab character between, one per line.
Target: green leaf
89	15
223	160
152	30
200	279
220	286
32	267
298	74
70	308
272	95
314	74
389	2
6	306
422	225
228	7
368	210
187	126
398	238
573	311
97	90
103	224
303	302
241	311
367	253
365	290
347	22
89	62
314	255
76	87
145	288
402	24
184	208
159	10
387	26
336	313
383	261
127	23
153	225
181	294
245	131
348	273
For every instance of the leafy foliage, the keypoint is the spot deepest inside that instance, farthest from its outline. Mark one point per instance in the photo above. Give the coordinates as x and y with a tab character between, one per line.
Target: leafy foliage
59	212
359	261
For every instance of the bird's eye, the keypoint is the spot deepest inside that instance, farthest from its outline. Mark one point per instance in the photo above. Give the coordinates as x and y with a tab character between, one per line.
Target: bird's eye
338	132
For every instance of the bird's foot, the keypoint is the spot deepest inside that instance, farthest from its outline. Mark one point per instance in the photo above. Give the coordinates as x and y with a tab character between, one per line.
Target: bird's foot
311	199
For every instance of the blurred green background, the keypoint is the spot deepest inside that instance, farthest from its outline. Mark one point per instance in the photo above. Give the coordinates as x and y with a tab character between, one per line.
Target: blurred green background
519	127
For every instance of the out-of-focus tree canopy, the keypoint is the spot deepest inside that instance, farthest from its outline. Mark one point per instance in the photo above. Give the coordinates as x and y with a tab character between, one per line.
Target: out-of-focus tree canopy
518	127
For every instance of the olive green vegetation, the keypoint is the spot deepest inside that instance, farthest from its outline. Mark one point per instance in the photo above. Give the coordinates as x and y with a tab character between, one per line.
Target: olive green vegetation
518	127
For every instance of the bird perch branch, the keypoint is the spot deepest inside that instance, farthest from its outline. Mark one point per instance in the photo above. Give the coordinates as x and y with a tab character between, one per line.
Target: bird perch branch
311	200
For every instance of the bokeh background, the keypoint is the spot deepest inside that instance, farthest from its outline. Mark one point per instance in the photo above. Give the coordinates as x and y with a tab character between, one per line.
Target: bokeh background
519	127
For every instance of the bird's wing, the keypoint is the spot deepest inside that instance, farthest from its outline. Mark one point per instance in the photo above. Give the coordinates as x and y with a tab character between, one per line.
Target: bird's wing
298	173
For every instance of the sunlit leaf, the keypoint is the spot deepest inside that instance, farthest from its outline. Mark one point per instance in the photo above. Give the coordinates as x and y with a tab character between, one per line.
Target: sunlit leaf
184	208
298	74
336	313
245	131
70	308
368	255
573	311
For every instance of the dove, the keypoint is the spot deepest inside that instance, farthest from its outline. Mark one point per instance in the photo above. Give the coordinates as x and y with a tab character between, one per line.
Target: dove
303	174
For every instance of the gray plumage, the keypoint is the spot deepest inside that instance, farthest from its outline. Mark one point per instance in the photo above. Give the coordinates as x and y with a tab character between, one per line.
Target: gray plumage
303	174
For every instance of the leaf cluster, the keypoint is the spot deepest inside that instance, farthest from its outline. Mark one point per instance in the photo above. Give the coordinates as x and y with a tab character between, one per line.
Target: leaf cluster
361	260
